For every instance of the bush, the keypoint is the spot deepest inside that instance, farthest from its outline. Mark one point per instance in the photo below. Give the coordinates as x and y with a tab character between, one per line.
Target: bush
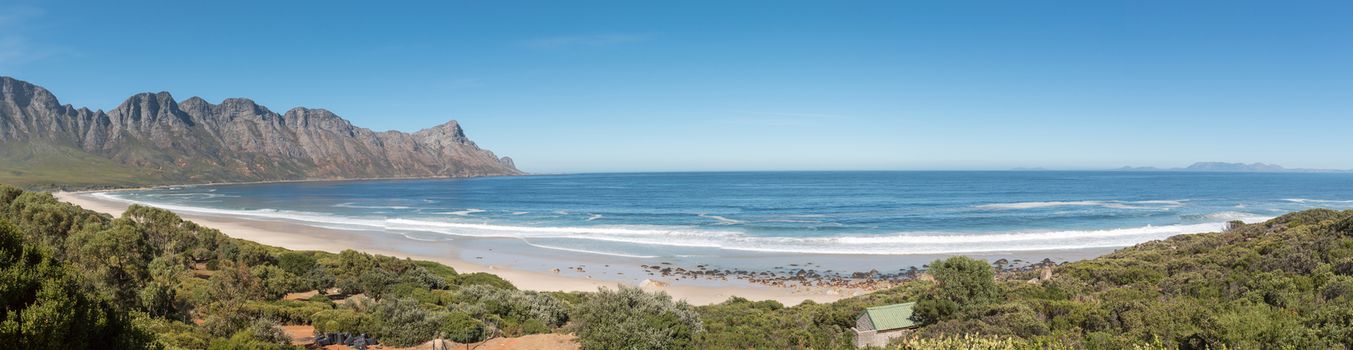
975	342
276	282
962	283
356	272
629	318
172	334
245	341
518	307
297	263
226	318
403	322
287	311
461	328
480	278
268	331
342	320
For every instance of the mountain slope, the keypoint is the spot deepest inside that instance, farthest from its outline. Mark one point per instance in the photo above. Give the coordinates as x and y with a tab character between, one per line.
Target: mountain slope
160	140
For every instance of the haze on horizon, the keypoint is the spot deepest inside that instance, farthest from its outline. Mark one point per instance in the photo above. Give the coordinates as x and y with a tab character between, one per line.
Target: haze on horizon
625	86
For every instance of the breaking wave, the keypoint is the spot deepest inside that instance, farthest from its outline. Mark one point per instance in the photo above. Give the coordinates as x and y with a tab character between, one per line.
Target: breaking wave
721	220
1149	204
356	206
1223	215
1308	200
466	212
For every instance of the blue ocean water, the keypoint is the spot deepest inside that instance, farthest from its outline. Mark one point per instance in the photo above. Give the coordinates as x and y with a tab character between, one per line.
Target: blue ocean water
663	214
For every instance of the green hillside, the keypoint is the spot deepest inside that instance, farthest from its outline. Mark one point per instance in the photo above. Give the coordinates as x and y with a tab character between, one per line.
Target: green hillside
47	166
1282	284
73	278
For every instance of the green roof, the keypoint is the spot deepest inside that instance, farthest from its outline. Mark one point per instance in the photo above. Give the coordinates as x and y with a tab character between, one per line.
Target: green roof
891	316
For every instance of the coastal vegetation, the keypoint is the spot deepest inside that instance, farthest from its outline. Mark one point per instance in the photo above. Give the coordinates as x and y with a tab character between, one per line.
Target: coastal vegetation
148	279
1282	284
73	278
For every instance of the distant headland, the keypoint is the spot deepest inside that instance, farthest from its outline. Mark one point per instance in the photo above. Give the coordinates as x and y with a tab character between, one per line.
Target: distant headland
1235	168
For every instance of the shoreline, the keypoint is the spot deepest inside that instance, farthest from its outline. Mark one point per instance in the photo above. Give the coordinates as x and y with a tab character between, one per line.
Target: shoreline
302	237
788	278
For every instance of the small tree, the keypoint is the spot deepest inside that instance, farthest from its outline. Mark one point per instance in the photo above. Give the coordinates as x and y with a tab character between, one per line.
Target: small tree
297	263
276	282
45	308
962	283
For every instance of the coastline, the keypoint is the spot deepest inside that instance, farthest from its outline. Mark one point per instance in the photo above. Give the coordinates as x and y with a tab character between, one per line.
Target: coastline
302	237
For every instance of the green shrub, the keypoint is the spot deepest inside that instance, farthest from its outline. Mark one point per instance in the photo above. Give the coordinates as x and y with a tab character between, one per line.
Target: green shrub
403	322
342	320
276	282
975	342
485	279
629	318
297	263
961	283
356	272
287	311
444	272
462	328
171	334
245	341
517	306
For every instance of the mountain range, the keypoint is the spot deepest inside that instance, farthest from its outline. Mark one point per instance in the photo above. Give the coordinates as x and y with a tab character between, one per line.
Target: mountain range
153	139
1232	167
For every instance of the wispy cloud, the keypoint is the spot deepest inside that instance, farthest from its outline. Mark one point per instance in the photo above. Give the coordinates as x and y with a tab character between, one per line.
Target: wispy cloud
777	119
13	16
16	47
597	40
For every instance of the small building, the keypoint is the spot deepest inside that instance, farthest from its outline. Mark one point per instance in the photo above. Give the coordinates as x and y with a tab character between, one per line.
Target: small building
880	324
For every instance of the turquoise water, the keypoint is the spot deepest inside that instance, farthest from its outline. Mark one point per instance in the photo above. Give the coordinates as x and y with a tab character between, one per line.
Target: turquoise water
881	213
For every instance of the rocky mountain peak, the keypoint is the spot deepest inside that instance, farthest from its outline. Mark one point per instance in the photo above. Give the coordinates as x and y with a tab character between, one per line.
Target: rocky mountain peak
243	107
148	102
194	101
237	140
22	94
141	111
447	132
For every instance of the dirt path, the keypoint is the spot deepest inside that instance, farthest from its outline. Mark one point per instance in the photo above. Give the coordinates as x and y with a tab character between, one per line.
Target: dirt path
304	335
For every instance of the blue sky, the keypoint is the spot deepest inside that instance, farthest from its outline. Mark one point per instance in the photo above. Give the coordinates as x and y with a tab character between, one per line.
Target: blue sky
575	86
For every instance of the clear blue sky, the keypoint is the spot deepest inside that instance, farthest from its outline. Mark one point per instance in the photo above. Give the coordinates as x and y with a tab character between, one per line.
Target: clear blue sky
573	86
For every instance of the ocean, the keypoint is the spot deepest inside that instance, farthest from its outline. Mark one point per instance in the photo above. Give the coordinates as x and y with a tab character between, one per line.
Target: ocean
659	215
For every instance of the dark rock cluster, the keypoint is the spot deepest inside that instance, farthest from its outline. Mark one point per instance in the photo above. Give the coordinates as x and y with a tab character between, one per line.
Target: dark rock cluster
356	341
806	275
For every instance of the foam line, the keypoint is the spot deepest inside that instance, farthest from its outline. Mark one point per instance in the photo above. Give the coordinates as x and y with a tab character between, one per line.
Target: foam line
898	243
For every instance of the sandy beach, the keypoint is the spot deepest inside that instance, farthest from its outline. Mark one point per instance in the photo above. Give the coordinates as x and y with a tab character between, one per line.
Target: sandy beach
302	237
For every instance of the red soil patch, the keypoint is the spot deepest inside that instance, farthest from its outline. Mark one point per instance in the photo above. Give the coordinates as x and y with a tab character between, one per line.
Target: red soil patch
300	296
300	334
535	341
530	342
